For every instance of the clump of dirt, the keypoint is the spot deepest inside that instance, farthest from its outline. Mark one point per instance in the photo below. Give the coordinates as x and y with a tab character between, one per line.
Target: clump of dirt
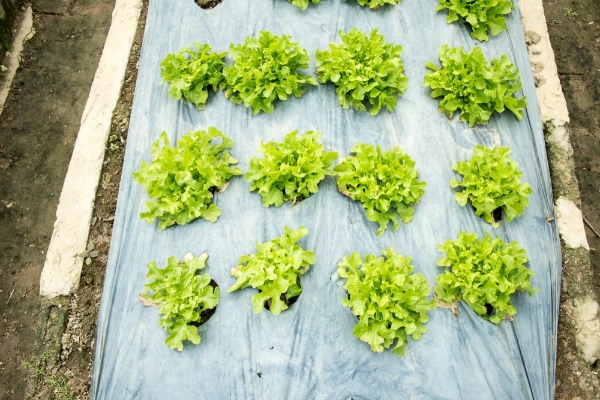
208	4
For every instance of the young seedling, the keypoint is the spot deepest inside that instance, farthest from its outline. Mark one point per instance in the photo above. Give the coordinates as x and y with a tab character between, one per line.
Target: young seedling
89	253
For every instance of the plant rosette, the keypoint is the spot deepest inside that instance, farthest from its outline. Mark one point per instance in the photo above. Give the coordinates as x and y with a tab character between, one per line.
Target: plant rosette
275	271
492	185
181	180
484	273
468	83
389	301
290	170
385	183
479	15
376	4
265	69
191	73
366	71
303	3
184	297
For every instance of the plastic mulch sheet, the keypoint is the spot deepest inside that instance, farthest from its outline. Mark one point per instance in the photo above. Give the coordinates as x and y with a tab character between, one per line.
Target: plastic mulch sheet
309	352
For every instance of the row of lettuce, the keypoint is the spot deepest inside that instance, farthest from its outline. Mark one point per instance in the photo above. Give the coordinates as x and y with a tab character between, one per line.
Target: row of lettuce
480	16
390	302
367	72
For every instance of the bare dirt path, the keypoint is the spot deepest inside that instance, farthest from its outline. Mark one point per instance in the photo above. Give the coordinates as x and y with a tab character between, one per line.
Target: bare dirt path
37	133
38	128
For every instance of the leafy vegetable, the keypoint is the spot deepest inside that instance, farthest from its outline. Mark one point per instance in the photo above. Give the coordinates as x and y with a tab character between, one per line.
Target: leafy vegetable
484	273
479	15
274	271
491	181
389	301
182	295
377	3
385	183
303	3
265	69
467	82
190	73
290	170
365	70
182	179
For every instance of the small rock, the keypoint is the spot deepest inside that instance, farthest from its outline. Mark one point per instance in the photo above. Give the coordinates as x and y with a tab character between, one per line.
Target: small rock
532	38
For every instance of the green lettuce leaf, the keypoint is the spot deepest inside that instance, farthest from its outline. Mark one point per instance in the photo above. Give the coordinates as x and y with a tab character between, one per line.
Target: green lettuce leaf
181	180
385	183
366	71
491	180
303	3
479	15
275	271
388	299
191	73
181	294
468	83
484	273
375	4
290	170
265	69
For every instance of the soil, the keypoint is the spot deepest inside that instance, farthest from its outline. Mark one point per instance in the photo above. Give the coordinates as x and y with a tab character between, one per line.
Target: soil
38	128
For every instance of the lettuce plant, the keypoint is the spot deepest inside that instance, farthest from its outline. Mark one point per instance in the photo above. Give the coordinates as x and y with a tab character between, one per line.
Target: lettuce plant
484	273
492	183
265	69
275	271
290	170
183	296
181	180
303	3
479	15
385	183
374	4
191	73
468	83
388	299
366	71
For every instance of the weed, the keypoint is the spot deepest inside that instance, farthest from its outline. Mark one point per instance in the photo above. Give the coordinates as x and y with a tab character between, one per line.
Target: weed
570	13
89	253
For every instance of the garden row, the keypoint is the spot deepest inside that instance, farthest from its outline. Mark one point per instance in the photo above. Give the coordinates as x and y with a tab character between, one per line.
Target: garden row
182	180
480	16
389	301
367	72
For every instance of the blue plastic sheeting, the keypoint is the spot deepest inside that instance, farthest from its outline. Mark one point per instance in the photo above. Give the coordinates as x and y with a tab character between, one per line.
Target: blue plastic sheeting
309	352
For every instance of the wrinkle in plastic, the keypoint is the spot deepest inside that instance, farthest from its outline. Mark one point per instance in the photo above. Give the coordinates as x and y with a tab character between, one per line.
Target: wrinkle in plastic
309	352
